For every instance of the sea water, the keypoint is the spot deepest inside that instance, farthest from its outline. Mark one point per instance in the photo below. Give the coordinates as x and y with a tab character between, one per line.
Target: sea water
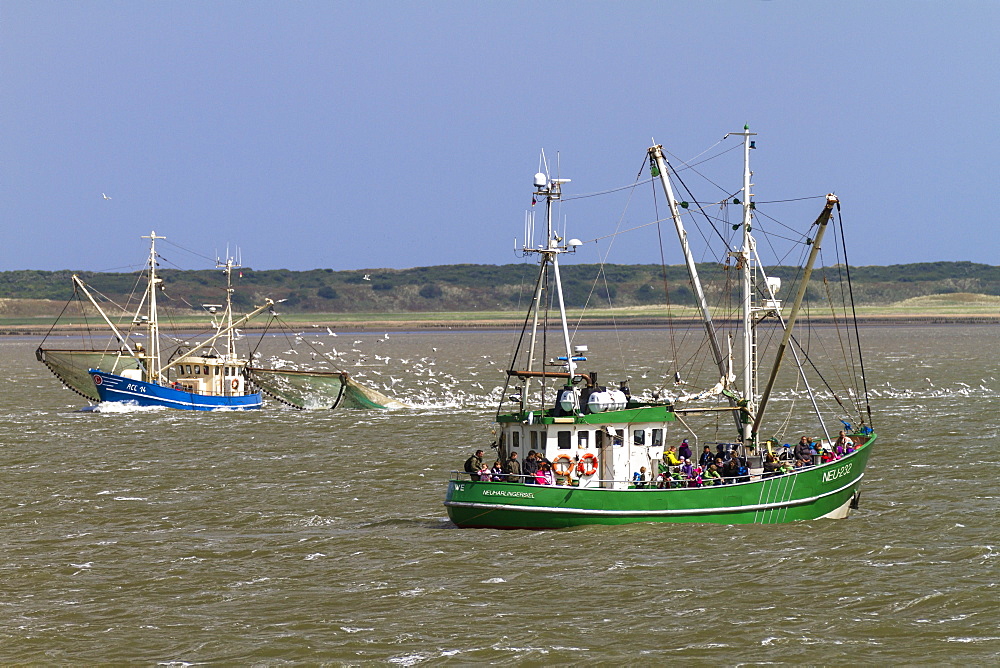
280	536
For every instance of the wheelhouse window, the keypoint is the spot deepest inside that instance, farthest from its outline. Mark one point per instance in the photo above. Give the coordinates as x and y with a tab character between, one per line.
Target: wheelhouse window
515	439
565	439
657	435
639	437
534	440
582	439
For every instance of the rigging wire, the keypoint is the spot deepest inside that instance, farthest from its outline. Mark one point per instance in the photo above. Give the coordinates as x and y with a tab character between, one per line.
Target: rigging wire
602	262
691	167
854	315
688	191
850	359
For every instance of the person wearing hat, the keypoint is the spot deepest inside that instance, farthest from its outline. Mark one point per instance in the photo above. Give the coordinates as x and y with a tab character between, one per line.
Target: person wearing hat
684	452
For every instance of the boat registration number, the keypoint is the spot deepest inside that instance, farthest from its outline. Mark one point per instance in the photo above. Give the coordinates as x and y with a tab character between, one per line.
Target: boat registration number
837	472
131	387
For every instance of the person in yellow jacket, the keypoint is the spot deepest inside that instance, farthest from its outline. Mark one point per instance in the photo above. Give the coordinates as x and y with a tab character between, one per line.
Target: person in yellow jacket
670	457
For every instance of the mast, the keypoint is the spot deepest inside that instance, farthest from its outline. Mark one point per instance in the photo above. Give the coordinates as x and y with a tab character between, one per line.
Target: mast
746	283
659	164
551	190
153	372
228	315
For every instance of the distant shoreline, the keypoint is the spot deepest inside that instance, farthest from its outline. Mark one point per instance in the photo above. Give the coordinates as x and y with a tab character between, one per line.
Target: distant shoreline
399	322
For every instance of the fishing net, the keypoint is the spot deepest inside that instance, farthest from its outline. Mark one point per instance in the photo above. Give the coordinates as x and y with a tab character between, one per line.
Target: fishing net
318	390
72	367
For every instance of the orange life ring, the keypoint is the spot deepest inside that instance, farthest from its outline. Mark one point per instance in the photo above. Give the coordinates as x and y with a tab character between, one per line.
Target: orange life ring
587	469
235	383
564	471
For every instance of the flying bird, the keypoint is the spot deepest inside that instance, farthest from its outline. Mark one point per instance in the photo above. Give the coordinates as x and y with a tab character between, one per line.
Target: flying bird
104	195
366	277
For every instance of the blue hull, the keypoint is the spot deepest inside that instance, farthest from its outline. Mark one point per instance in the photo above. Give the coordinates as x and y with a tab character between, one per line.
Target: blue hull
139	393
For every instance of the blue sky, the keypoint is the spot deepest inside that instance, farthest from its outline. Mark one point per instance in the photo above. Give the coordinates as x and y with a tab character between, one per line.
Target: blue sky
399	134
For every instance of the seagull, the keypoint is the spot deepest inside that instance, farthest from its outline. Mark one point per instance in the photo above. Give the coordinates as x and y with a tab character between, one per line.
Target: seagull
330	332
105	196
366	277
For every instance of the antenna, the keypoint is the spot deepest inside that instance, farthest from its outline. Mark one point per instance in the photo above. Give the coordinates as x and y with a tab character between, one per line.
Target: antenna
543	165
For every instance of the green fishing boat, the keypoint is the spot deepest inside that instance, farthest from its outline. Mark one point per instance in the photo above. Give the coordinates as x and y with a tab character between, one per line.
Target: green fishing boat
577	452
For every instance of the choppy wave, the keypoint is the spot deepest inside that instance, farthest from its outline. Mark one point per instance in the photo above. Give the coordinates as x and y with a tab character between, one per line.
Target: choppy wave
284	536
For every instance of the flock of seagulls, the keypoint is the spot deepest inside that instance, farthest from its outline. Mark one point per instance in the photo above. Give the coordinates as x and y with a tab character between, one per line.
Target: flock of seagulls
406	375
411	378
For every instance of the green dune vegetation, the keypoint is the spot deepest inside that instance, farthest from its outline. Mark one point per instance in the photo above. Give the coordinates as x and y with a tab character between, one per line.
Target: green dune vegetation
477	295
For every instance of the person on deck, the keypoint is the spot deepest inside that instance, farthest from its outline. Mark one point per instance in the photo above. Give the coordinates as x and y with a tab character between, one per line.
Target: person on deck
530	467
513	468
802	450
639	477
707	458
731	471
684	452
712	476
742	469
671	458
544	475
473	464
497	472
771	466
842	443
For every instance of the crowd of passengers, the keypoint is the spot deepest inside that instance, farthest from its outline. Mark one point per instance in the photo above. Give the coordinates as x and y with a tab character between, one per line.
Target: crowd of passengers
536	469
676	469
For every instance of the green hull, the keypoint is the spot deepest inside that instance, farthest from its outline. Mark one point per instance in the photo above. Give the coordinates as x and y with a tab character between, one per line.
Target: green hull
821	491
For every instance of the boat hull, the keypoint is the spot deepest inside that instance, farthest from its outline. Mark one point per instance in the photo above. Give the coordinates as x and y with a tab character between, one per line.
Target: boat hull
816	492
115	388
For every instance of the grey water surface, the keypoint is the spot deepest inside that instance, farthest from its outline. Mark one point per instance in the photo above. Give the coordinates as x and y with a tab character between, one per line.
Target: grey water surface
281	536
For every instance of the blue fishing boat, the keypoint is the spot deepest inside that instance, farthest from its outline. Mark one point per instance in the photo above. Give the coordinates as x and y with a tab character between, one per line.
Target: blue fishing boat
204	377
112	387
192	374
